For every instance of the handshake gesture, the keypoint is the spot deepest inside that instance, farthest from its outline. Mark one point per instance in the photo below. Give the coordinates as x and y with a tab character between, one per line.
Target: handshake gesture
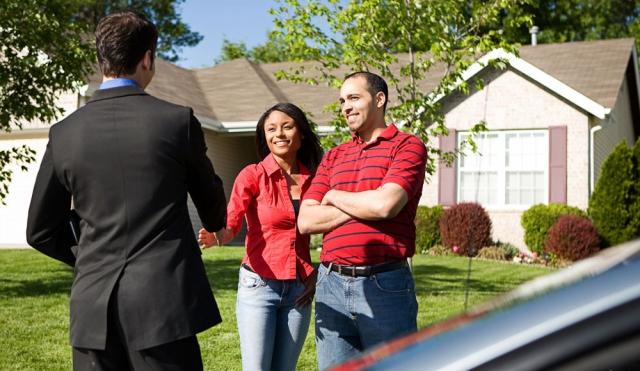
207	239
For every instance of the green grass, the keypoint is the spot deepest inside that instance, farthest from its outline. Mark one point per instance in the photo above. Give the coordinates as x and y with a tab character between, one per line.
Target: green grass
34	304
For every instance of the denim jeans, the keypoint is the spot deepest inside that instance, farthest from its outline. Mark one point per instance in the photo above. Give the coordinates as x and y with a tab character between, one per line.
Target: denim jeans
272	330
355	313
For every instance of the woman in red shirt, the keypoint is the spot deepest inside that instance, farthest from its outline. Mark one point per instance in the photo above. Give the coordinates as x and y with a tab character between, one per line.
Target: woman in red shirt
276	279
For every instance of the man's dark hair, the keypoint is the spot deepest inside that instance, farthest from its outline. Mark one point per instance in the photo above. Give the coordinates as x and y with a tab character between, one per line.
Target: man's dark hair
375	84
310	152
122	39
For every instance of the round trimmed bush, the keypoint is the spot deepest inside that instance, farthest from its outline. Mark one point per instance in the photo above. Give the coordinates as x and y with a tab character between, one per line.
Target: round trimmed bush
466	226
614	205
427	227
538	219
573	238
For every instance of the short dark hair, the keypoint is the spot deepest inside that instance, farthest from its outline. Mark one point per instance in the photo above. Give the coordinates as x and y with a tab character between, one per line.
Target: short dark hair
310	152
375	84
122	39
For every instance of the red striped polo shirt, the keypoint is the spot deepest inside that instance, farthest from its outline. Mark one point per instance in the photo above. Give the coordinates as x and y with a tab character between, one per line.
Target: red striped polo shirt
355	166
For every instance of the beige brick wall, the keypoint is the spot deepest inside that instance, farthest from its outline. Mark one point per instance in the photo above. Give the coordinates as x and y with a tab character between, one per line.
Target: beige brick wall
511	101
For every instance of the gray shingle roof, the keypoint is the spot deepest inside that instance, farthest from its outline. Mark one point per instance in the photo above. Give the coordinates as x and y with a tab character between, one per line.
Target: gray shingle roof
240	90
594	68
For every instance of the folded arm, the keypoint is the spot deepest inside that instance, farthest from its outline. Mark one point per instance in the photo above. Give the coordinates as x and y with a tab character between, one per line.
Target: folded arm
317	218
378	204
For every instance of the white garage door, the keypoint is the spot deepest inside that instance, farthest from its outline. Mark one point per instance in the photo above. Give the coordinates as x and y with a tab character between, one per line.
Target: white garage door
13	215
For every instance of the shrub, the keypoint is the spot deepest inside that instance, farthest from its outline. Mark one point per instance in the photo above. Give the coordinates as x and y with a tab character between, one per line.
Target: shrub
538	219
439	250
494	253
508	248
499	251
614	204
427	227
572	237
466	226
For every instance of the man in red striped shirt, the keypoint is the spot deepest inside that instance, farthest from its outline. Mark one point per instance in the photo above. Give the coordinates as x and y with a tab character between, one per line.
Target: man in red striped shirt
364	199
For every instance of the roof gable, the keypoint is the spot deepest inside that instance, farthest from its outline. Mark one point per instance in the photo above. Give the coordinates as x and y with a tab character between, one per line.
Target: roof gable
588	74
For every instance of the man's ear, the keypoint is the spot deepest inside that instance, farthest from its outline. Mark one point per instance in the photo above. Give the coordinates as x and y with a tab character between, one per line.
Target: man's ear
381	99
147	60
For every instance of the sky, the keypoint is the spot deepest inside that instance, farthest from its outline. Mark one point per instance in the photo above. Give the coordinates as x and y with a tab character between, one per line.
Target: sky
237	20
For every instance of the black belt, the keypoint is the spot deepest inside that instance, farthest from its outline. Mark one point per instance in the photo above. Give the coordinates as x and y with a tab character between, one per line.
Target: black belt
365	270
247	267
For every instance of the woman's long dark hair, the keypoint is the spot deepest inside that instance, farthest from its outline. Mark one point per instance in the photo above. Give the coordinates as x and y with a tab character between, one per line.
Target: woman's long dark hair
310	152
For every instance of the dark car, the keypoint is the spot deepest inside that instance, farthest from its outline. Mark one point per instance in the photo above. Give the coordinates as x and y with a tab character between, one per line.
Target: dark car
585	317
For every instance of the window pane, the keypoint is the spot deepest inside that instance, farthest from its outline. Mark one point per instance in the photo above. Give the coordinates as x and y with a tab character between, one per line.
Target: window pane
526	180
513	155
513	197
513	180
526	197
539	180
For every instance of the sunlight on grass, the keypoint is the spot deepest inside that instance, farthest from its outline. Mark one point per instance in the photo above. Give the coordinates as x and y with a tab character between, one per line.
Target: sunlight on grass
34	304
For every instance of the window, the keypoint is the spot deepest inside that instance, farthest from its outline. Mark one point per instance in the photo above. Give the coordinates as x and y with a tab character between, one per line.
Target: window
510	169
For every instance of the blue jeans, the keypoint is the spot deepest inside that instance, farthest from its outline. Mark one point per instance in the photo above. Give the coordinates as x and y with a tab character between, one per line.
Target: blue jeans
272	330
355	313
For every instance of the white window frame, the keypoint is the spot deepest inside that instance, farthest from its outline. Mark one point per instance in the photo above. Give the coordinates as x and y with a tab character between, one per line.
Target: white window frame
502	169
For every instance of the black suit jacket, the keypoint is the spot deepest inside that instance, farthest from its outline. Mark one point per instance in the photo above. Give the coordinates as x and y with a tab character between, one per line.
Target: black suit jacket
128	161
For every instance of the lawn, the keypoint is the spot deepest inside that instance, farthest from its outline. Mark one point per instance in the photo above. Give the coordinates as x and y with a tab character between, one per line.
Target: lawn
34	304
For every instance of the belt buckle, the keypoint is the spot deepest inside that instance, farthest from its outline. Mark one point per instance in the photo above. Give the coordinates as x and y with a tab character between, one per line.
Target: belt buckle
353	271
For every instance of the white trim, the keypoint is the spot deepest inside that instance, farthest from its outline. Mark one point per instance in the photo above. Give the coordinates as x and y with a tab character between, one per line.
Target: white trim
538	75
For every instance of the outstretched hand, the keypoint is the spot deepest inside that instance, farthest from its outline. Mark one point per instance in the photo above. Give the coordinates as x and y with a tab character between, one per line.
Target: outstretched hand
207	239
309	290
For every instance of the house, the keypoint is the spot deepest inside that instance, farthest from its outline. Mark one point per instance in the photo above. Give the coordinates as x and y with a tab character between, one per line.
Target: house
553	116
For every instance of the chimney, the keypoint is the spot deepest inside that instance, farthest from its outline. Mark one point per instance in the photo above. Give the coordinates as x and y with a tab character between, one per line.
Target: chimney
534	35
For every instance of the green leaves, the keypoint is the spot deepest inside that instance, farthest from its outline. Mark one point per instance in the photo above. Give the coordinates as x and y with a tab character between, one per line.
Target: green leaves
43	51
573	20
614	205
173	34
20	156
47	47
404	41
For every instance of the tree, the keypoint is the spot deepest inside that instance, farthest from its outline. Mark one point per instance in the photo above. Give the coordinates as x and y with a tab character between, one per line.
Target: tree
614	201
577	20
232	50
46	49
42	53
273	50
173	34
445	35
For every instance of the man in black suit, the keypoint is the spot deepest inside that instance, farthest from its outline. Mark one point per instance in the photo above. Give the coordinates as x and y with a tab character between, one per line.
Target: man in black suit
128	160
